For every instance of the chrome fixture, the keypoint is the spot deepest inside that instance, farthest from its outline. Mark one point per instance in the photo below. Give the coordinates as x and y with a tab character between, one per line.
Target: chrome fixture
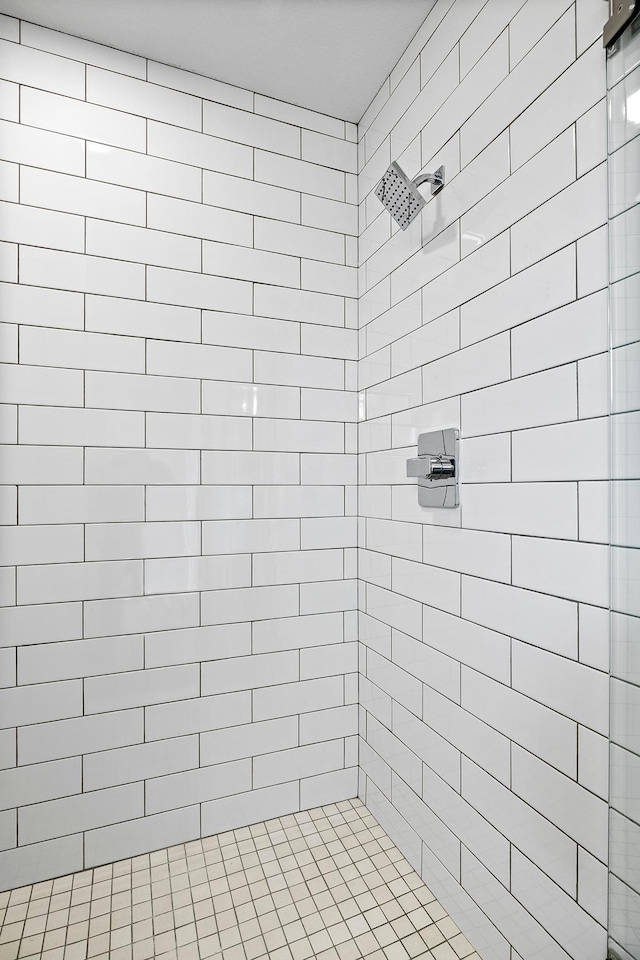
400	195
621	12
436	468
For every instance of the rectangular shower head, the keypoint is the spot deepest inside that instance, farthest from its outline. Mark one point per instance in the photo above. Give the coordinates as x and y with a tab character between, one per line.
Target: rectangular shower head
400	196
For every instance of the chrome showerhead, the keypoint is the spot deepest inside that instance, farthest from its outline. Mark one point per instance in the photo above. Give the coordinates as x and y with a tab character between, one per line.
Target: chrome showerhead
400	195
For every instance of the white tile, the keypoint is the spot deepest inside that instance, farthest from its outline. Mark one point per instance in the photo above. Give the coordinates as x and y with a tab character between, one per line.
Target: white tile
137	318
23	464
593	762
468	551
196	431
8	181
568	97
8	262
293	698
139	762
41	188
195	644
257	131
226	260
579	451
328	661
198	220
235	330
83	735
591	137
548	59
248	740
399	612
332	723
542	731
250	400
594	636
531	23
200	86
538	619
140	688
196	502
38	703
297	566
422	267
138	614
230	812
426	344
479	648
298	240
572	213
478	272
197	715
299	175
240	673
561	800
78	119
142	245
25	65
70	348
141	466
428	665
9	101
298	371
328	597
22	383
41	544
299	304
79	658
22	224
329	278
328	532
577	571
251	603
329	405
546	397
248	196
594	509
197	290
35	784
84	50
329	214
303	436
427	584
130	392
297	632
106	541
485	459
491	20
329	151
250	536
9	28
468	369
590	19
298	116
140	836
59	582
131	169
305	501
537	509
79	427
249	468
74	271
396	539
28	145
592	886
574	331
143	98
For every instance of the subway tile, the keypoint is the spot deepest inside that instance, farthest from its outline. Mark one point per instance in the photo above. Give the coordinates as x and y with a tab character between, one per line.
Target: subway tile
249	740
570	215
23	383
199	86
197	290
329	150
481	270
140	614
8	262
140	688
27	145
243	263
538	619
76	118
38	783
41	544
252	129
139	319
574	690
309	178
329	278
332	723
297	698
297	632
195	644
9	181
537	509
468	369
303	501
198	220
290	304
299	762
328	596
249	196
145	392
206	783
197	431
298	371
143	98
113	466
197	503
329	405
578	330
82	350
329	214
142	245
252	672
45	623
106	541
298	116
131	169
40	703
547	397
297	566
234	330
140	835
299	436
240	467
73	194
22	224
86	51
477	647
10	28
248	399
200	714
85	811
579	451
82	735
305	241
250	603
74	271
328	661
60	582
25	65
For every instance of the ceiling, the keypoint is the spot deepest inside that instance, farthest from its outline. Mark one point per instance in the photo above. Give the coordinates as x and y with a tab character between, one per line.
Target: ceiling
328	55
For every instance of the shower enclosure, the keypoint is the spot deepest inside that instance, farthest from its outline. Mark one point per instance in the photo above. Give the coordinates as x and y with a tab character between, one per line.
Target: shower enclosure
623	97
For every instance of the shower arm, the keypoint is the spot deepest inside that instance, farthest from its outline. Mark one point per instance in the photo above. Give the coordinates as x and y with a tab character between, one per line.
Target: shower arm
437	178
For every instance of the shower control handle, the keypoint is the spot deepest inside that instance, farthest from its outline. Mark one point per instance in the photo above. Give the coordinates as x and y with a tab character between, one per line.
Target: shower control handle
431	467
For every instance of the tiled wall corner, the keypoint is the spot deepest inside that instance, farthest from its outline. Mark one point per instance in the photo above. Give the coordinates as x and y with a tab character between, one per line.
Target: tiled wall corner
484	630
177	478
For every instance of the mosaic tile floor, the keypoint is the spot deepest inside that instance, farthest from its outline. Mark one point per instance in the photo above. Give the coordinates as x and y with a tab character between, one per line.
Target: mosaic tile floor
325	884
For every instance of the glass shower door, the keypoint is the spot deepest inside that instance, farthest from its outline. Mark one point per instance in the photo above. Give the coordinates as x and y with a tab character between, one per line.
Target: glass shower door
623	102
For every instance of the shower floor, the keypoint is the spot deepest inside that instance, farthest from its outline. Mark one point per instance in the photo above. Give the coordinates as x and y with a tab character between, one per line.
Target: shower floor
327	884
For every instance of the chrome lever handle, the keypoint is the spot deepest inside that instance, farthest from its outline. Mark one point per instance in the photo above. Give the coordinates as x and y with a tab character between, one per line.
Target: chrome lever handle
431	467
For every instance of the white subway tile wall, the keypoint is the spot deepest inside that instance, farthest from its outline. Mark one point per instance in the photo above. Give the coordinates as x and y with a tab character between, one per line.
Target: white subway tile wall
177	478
483	630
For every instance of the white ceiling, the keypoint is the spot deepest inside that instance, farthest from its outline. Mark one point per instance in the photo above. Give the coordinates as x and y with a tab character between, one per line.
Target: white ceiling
328	55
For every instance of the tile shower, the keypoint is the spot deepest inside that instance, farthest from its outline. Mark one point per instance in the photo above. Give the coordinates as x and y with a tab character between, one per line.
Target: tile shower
222	604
